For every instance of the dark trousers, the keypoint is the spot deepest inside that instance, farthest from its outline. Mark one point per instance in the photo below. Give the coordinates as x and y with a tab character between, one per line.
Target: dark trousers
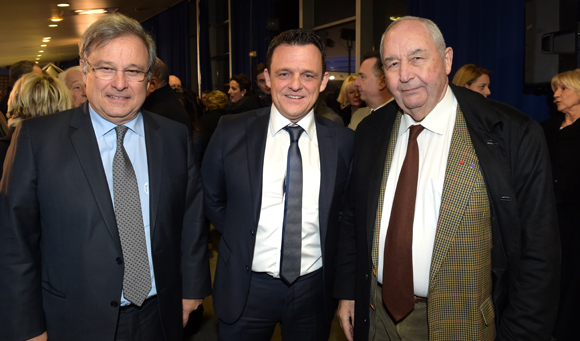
140	323
298	308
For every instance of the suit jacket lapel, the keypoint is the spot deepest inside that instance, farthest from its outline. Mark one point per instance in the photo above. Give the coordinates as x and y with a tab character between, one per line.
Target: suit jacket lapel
327	148
154	146
257	131
83	139
460	176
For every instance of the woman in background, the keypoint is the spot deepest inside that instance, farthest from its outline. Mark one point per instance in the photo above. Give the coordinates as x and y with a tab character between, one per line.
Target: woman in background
474	78
215	103
241	98
349	99
563	137
34	94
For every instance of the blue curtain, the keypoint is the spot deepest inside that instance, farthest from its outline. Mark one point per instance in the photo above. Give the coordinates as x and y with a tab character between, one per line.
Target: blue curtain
170	30
204	55
489	34
250	33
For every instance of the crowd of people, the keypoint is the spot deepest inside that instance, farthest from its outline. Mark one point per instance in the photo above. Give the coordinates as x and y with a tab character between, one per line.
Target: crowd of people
420	210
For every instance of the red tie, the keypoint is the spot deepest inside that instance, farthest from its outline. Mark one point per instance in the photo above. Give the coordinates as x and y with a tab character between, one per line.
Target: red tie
398	290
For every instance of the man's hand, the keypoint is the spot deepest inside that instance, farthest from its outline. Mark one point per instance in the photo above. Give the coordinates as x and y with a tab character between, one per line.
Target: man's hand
345	315
188	307
42	337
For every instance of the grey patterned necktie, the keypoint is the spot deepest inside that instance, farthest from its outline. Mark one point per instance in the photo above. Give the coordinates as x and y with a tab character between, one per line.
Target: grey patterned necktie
137	277
292	235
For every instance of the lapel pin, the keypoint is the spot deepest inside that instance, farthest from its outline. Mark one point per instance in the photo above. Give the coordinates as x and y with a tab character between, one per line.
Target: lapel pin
462	162
472	165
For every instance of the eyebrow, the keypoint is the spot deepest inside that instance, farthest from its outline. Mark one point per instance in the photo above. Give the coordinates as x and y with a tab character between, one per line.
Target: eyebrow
412	53
111	64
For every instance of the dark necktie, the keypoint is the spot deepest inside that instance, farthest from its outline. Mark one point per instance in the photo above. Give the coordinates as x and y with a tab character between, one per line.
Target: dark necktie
292	234
136	278
398	290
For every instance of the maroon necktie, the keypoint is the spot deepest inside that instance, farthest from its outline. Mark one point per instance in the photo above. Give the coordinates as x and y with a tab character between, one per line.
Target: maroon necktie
398	290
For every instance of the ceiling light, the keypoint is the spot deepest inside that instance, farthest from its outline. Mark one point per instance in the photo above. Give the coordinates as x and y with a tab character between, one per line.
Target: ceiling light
37	58
63	5
37	62
39	55
48	38
43	45
56	19
45	40
41	51
53	25
91	11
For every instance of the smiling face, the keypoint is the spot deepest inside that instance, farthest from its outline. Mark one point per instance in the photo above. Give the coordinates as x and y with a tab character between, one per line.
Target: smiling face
74	81
235	92
416	73
481	85
567	100
117	100
296	79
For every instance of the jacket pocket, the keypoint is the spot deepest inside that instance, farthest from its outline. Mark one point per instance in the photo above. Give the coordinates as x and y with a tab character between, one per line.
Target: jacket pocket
487	311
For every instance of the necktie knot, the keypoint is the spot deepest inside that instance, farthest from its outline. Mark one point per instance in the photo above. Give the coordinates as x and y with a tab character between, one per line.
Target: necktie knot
121	131
295	132
414	131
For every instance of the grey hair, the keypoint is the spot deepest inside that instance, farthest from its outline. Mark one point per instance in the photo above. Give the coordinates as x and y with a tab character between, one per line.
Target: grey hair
436	35
62	75
112	26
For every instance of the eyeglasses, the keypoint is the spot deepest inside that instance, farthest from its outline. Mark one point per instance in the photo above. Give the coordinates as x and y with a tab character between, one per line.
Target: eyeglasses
109	73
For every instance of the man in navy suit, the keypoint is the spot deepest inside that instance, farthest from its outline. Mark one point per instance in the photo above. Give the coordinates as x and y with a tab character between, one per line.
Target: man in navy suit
247	188
64	246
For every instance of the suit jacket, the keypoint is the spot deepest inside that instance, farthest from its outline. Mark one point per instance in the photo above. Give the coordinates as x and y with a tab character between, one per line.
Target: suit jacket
232	177
164	102
61	265
513	160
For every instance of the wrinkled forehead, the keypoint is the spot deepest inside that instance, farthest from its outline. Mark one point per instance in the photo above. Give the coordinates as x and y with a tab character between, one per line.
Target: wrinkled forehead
408	37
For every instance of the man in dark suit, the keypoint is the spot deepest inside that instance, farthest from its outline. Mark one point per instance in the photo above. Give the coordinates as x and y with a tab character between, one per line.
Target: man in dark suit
102	226
273	182
465	249
161	99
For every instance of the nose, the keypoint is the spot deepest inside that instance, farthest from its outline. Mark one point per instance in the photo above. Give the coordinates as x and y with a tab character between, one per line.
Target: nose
557	93
405	72
357	83
487	91
119	81
295	83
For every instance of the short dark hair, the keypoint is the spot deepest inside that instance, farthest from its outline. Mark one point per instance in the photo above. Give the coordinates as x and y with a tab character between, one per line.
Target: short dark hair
18	69
378	67
298	37
161	72
259	69
243	81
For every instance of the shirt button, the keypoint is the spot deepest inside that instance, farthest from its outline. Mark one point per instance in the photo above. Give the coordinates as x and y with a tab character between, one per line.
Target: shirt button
119	260
114	304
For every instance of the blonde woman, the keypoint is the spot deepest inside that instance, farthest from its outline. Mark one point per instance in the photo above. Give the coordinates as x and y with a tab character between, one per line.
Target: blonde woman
349	99
474	78
562	133
34	94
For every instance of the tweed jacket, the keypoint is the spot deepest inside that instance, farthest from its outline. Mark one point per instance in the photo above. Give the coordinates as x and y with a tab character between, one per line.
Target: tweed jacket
511	168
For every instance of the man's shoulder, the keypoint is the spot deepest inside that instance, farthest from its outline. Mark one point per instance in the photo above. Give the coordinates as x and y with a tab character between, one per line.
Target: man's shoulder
243	118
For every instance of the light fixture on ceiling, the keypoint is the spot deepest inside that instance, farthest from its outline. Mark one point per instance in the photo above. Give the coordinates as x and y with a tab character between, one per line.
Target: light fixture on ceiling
394	18
91	11
63	5
43	45
41	51
39	55
36	62
53	25
56	19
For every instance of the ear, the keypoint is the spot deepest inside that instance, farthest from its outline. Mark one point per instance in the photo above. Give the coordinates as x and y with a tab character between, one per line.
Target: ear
152	85
448	57
244	92
382	82
267	78
82	65
324	81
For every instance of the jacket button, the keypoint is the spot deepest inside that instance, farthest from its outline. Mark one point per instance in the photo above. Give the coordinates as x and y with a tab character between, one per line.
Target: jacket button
252	232
247	268
367	277
114	304
119	260
365	320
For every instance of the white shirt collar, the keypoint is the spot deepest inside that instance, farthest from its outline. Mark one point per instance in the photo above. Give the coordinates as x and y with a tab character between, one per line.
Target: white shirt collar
278	122
103	126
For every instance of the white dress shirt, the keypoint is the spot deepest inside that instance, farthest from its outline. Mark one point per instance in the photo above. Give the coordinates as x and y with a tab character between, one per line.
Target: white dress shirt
268	246
434	144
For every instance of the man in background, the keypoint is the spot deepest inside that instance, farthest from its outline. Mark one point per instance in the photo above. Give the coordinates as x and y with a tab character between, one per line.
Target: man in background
73	79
